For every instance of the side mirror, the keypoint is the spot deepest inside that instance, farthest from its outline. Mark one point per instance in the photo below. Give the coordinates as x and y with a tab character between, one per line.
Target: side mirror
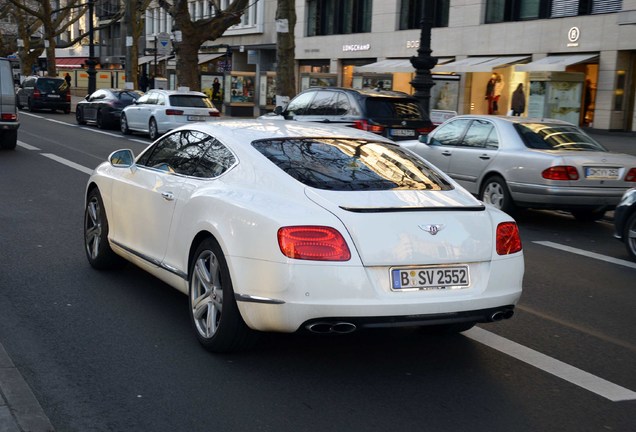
122	158
278	110
423	138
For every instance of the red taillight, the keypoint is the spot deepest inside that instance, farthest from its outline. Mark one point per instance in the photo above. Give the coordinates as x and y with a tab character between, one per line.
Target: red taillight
508	239
631	175
174	112
36	94
561	172
214	113
318	243
8	117
68	96
426	130
365	126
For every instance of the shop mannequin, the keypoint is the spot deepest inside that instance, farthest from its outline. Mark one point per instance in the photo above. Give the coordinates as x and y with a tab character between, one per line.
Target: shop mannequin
499	85
490	91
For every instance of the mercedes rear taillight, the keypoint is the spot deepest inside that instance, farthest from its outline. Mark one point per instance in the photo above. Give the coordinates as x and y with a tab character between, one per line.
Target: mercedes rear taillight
561	172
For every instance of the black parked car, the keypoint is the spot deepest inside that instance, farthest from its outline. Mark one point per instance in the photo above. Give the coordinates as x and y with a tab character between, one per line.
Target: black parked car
392	114
104	106
38	92
625	221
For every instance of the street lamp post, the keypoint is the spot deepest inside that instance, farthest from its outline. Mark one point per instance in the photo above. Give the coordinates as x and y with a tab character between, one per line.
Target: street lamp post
91	62
423	63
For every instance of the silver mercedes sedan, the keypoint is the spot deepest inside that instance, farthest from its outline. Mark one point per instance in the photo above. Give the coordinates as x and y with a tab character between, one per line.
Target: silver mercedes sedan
513	162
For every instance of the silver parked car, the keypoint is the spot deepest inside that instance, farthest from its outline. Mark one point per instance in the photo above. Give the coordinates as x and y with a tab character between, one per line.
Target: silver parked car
513	162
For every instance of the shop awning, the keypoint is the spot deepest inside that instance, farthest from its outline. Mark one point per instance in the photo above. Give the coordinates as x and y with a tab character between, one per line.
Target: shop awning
555	63
204	58
394	66
480	64
70	62
150	59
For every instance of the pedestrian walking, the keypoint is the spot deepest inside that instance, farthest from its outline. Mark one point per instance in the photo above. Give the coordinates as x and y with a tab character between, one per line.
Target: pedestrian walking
518	103
68	79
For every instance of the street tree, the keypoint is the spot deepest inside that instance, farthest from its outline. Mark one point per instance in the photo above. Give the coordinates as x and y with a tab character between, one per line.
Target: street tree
195	32
285	48
55	21
135	25
25	27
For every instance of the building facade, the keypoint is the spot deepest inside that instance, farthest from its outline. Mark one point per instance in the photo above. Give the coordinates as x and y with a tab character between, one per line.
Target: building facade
576	59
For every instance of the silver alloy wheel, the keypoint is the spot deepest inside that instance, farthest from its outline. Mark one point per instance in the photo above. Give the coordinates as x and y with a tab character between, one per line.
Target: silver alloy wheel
630	236
494	194
206	294
93	227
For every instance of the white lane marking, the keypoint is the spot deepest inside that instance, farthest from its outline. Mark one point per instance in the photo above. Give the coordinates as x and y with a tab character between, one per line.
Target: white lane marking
27	146
140	141
68	163
601	387
31	114
587	253
59	122
100	132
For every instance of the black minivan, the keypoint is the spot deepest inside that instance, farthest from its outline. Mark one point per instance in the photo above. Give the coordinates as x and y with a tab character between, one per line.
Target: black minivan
392	114
38	92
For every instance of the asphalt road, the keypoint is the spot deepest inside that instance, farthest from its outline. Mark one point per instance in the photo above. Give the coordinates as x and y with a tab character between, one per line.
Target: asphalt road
113	351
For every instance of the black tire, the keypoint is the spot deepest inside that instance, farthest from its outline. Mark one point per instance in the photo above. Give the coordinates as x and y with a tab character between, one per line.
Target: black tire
153	131
9	139
494	191
100	120
123	125
79	117
629	236
18	104
588	215
214	314
67	110
96	245
30	105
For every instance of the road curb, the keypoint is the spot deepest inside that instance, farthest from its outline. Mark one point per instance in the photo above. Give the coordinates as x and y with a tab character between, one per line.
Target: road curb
19	409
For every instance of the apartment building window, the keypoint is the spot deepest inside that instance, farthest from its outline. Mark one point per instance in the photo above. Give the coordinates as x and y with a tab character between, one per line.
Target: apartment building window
411	13
517	10
561	8
328	17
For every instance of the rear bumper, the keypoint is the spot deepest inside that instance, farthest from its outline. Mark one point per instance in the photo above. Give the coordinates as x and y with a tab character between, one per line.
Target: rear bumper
44	104
285	297
554	197
9	125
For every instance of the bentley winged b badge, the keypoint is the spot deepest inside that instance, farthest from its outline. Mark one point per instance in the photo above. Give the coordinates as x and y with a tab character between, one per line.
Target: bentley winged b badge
433	228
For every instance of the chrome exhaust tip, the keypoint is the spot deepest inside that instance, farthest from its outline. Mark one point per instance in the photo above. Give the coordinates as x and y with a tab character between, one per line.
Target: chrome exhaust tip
331	327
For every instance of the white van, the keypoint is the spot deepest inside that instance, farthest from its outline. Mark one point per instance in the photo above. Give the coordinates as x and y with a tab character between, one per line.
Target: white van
8	113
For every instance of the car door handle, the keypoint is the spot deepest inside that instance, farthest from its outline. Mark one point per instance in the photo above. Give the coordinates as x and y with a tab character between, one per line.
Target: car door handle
168	196
446	153
484	157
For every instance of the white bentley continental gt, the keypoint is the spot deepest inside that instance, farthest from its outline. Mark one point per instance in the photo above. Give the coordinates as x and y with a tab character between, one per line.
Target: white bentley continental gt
290	226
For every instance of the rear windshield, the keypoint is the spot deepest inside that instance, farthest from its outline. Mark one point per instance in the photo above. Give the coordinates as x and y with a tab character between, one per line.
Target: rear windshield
350	165
51	84
193	101
404	109
544	136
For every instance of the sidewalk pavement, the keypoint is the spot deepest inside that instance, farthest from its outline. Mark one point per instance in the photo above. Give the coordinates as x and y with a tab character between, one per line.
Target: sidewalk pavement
19	409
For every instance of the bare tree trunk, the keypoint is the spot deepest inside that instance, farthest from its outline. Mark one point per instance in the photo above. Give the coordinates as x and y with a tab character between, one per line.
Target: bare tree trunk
285	50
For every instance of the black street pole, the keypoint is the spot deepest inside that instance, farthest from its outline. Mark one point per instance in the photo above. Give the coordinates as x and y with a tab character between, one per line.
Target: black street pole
91	51
423	63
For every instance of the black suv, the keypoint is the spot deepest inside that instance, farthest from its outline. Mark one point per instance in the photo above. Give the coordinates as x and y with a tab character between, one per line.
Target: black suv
44	93
395	115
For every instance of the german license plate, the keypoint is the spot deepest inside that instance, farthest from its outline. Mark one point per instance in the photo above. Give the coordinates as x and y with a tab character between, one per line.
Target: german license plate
429	278
402	132
54	96
197	118
601	173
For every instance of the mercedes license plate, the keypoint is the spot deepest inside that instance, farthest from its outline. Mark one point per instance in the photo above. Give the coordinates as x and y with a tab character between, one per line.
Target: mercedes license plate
402	132
430	278
54	96
601	173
